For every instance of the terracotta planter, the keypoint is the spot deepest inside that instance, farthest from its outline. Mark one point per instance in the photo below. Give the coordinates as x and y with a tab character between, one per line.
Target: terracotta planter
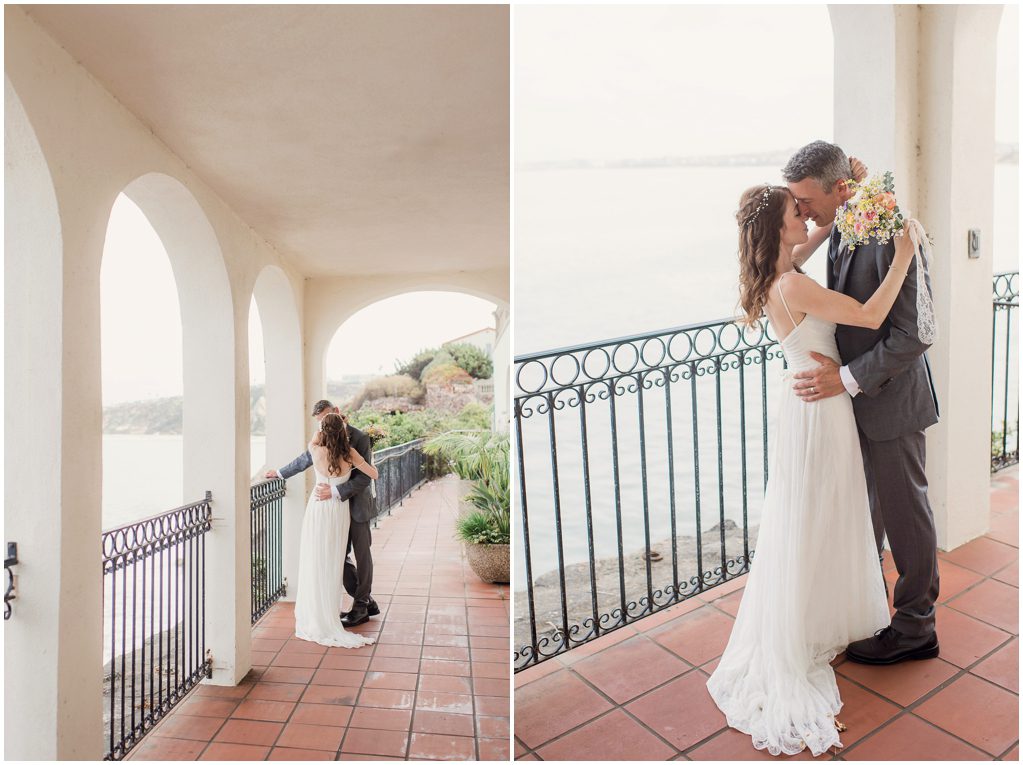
491	563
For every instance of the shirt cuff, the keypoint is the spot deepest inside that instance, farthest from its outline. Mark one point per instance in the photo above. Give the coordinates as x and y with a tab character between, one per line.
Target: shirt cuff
335	492
849	381
278	471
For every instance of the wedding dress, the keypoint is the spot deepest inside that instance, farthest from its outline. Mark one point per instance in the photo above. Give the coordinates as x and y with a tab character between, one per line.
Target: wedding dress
320	562
815	584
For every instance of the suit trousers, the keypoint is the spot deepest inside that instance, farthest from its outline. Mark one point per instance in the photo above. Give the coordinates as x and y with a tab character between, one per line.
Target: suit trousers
897	487
358	579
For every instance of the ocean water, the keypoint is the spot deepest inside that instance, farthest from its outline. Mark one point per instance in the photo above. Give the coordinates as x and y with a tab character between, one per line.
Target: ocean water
608	253
143	476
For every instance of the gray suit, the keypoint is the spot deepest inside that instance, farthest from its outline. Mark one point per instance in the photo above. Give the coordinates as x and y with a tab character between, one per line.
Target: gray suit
357	581
895	404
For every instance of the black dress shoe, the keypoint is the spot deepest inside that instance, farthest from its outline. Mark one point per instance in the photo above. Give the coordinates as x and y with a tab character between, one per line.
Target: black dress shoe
889	646
358	615
372	609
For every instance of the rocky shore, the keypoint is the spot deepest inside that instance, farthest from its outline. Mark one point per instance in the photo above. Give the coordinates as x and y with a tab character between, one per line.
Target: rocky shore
547	588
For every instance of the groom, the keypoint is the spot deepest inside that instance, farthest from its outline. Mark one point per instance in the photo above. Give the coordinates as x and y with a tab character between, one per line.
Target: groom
357	581
887	374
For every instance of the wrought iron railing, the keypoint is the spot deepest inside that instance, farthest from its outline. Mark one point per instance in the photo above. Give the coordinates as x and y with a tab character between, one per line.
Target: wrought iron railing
266	505
1004	368
636	443
154	596
401	472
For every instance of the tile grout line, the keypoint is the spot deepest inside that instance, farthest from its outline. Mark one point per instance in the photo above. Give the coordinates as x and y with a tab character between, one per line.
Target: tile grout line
700	668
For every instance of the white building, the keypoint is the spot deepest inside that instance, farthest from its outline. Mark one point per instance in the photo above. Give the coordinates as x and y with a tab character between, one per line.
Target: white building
484	339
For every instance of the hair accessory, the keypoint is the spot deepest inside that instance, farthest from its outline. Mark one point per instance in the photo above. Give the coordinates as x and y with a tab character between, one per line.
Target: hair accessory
765	198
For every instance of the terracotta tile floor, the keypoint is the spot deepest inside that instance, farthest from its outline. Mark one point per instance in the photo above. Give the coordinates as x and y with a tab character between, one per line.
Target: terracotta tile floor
640	692
434	686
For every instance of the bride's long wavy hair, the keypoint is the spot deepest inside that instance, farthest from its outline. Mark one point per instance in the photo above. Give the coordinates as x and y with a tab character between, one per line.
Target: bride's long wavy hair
759	246
334	437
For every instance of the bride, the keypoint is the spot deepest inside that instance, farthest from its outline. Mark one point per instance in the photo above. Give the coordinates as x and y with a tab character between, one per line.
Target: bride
815	585
325	540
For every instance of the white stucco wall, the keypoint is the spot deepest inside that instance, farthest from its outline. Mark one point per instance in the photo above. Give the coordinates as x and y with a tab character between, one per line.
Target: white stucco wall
93	150
914	93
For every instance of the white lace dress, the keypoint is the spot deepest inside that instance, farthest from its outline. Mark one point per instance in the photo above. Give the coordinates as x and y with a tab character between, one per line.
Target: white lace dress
320	564
815	584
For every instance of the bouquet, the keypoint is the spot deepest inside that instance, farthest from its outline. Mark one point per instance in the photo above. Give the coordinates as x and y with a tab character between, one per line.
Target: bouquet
871	212
375	433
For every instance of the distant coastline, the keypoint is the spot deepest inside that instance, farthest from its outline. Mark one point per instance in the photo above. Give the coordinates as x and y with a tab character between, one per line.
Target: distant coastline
1004	154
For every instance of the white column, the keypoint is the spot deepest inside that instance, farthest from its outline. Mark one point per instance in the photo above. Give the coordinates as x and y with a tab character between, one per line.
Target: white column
956	179
53	641
214	334
286	417
875	87
914	93
502	369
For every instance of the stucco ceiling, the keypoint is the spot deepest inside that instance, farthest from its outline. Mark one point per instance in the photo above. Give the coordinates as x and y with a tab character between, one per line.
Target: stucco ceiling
355	139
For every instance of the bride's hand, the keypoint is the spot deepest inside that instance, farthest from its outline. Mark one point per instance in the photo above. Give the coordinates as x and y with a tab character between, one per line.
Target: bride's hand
904	249
858	169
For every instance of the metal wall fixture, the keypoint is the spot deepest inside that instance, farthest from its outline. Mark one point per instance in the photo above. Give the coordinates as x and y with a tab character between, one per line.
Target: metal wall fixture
154	598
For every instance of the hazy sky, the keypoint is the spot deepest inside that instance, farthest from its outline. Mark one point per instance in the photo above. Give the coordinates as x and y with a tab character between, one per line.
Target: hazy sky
141	321
607	82
611	82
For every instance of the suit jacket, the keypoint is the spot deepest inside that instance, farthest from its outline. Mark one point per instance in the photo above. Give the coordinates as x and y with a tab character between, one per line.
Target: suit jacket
360	501
889	363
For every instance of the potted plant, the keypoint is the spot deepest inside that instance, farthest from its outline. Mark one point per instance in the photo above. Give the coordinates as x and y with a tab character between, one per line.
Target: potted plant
485	526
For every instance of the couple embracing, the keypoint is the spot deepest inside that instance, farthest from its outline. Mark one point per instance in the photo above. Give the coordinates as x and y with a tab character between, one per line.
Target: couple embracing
847	463
337	520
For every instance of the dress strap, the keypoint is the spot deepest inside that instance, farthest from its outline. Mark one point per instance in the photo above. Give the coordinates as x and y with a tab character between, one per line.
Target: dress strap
782	296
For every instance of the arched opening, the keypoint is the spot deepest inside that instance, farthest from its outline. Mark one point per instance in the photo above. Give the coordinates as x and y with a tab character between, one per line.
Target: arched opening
140	320
433	370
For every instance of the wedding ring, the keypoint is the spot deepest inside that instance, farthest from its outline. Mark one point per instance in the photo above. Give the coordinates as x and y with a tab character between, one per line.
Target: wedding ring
812	389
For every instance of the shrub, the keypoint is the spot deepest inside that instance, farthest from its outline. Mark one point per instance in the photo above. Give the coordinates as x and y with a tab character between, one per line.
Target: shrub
415	366
480	528
392	385
471	359
445	374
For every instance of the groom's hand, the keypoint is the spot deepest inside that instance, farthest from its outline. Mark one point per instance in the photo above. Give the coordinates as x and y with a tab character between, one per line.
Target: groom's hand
272	474
822	382
323	491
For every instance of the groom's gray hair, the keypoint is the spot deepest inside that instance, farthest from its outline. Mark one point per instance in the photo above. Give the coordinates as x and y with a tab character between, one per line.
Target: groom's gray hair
820	160
320	406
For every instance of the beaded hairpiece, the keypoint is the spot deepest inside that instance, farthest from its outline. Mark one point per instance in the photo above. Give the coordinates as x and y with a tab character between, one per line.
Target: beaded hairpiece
764	199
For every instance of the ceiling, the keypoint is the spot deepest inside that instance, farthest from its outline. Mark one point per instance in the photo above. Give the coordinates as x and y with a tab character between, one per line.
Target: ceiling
360	139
